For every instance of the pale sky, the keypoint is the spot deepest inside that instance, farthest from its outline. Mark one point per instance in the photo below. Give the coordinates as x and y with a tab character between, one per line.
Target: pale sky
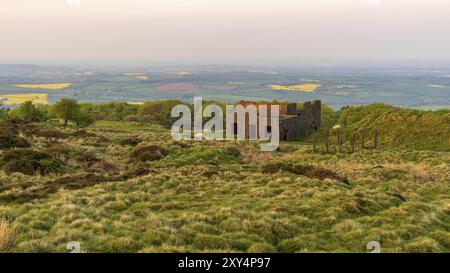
222	31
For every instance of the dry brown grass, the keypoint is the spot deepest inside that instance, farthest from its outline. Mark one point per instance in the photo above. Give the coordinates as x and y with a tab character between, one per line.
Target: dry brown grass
418	172
8	234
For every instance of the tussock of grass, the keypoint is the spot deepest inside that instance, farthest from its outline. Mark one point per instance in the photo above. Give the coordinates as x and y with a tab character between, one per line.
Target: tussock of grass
8	234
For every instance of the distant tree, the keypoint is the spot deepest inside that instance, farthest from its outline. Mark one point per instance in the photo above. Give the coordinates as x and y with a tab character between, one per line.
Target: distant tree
109	110
3	112
67	110
158	111
28	112
83	119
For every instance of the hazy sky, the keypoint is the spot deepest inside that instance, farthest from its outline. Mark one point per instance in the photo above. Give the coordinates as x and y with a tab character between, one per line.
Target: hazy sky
223	31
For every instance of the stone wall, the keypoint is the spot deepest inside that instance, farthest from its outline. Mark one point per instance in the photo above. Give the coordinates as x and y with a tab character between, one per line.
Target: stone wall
295	123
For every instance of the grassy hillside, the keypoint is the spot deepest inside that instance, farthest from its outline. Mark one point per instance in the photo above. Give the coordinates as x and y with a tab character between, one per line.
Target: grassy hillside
396	127
127	187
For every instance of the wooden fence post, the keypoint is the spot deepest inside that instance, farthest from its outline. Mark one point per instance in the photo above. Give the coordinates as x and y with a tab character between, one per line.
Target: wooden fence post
327	142
314	142
375	139
353	142
339	139
362	139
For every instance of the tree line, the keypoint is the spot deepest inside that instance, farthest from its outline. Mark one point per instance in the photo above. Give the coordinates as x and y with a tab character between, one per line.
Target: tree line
70	111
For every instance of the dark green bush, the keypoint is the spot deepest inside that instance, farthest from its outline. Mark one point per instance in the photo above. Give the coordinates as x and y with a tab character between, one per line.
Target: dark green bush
83	134
131	141
49	134
30	162
8	140
233	151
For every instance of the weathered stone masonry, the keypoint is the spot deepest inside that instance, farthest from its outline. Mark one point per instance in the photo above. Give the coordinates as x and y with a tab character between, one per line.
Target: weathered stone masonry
295	123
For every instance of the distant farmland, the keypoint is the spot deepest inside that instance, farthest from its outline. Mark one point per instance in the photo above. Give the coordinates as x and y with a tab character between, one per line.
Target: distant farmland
13	99
177	87
300	87
50	86
138	76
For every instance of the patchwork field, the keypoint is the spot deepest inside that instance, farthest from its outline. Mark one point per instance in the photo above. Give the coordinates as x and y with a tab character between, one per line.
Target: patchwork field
301	87
15	99
179	73
177	87
345	86
339	86
49	86
138	76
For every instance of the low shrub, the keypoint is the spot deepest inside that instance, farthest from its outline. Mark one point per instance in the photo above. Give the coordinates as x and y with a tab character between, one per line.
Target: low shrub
139	170
131	118
50	134
82	134
30	162
88	158
233	151
8	140
181	144
131	141
149	153
272	167
102	166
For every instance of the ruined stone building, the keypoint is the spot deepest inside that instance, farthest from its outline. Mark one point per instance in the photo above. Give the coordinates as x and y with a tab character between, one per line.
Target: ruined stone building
295	124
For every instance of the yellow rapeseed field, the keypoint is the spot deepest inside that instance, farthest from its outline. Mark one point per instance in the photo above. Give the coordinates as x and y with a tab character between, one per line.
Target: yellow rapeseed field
139	76
51	86
135	102
300	87
179	73
12	99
